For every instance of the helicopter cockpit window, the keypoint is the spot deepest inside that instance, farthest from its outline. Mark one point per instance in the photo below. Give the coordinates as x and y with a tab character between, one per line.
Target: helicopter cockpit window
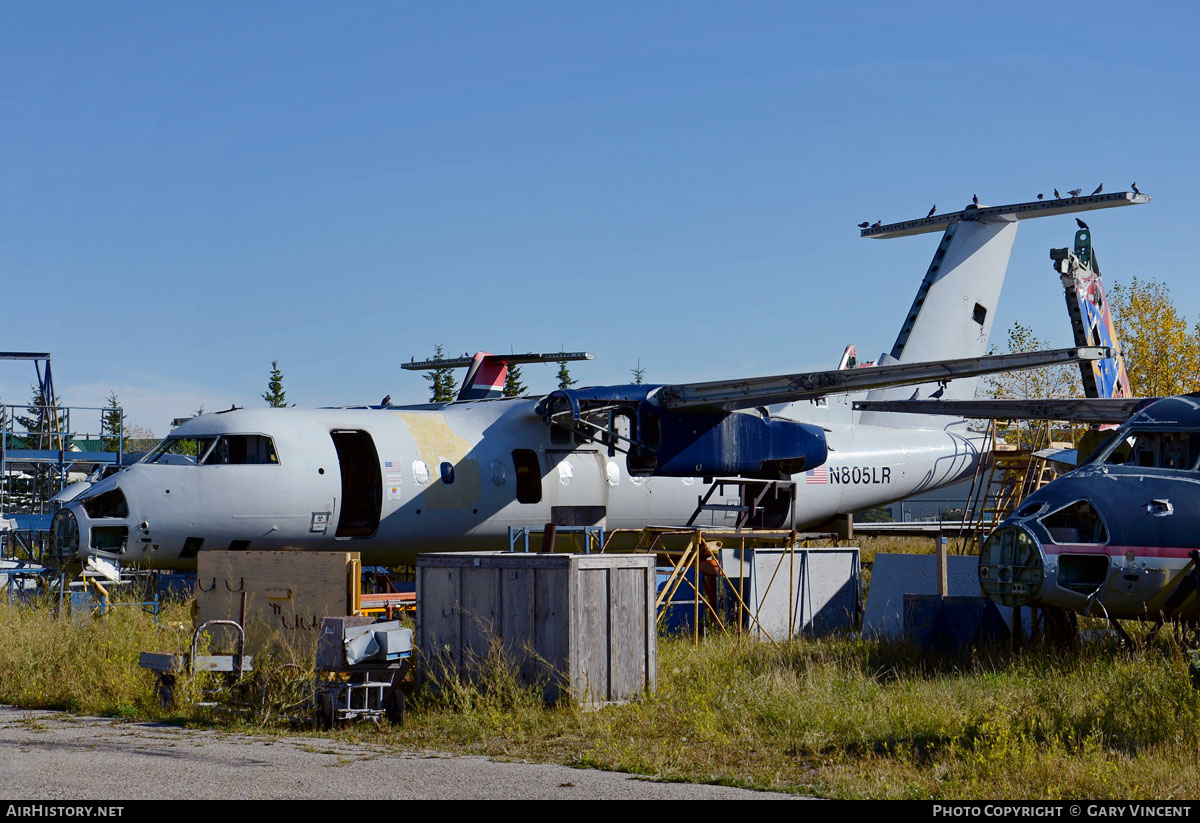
1155	450
180	450
1077	523
242	449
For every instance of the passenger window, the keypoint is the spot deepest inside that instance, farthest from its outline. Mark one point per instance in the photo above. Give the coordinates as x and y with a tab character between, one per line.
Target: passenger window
529	476
242	449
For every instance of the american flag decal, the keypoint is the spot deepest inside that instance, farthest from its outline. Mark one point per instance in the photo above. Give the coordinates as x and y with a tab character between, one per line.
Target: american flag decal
817	476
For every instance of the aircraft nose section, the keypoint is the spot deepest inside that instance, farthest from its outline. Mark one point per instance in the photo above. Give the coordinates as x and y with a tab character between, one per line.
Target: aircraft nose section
97	523
64	534
1011	566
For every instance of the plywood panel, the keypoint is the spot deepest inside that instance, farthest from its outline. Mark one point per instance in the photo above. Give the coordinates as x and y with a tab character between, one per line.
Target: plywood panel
287	594
628	629
477	611
590	635
516	619
551	630
438	626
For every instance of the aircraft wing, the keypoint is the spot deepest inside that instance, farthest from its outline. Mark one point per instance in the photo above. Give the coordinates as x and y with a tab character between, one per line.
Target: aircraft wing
729	395
1075	410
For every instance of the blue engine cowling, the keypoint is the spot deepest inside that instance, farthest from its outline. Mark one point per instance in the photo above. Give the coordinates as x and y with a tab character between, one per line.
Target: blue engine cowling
741	443
693	443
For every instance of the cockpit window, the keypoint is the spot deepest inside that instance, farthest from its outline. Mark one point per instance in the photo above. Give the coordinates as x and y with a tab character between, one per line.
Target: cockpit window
1077	523
1154	449
242	449
181	450
107	504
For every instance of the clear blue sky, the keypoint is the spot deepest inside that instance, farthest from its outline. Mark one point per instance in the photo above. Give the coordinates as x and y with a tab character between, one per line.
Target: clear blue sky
191	190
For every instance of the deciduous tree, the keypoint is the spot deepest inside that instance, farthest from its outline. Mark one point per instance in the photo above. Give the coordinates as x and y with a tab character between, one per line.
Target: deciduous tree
1051	381
1160	351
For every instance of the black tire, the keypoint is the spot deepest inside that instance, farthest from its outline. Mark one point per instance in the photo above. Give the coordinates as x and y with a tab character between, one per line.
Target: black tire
325	717
395	705
164	688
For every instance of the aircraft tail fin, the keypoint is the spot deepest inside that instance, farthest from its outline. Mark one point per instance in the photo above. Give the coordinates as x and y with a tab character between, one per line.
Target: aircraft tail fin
485	377
955	305
1091	317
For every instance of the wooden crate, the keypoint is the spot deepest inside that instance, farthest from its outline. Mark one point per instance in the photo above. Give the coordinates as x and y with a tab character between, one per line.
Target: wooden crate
287	593
577	624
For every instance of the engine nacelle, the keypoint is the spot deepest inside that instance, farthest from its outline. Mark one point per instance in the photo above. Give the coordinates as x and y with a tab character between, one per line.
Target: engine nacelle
747	444
686	443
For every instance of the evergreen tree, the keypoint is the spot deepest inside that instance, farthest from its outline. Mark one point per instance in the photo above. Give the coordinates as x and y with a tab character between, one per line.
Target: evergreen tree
275	396
639	374
112	424
41	427
565	381
443	387
40	423
513	387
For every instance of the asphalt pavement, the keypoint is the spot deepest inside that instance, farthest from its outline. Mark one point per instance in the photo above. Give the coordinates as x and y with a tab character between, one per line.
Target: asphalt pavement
57	756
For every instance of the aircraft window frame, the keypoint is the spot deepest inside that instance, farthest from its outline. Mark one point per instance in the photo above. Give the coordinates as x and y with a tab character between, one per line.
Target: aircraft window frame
1057	541
204	443
269	452
1147	443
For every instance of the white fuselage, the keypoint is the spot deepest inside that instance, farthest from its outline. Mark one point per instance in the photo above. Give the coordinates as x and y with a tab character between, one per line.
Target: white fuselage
447	479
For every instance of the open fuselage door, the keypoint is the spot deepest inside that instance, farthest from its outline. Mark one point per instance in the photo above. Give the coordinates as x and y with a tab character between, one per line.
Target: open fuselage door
362	484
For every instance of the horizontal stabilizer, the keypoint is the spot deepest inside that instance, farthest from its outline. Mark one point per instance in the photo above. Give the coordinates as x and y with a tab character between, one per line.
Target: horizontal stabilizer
508	359
785	388
1063	457
1013	212
1075	410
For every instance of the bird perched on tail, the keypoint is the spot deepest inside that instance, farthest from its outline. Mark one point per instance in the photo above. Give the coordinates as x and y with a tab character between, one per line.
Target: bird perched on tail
931	211
975	199
1099	189
863	224
1135	188
1075	192
1082	224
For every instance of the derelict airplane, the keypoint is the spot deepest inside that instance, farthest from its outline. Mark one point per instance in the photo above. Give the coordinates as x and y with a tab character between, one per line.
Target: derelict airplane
390	482
1117	536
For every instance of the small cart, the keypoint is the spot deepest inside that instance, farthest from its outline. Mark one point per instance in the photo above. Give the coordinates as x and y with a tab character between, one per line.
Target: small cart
170	666
368	689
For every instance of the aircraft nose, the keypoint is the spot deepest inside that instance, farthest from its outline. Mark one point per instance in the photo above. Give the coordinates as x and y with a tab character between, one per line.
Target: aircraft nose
1011	566
98	522
64	533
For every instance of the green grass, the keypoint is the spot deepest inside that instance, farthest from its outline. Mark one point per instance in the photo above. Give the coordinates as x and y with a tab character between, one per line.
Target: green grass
849	718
